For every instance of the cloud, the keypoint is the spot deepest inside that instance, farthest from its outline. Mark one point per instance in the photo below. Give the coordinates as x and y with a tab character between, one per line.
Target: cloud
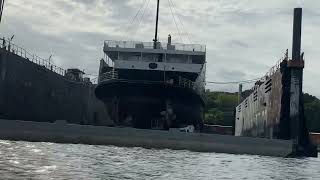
244	38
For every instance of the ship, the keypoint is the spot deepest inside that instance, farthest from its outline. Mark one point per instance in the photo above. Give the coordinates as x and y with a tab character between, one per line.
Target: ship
153	85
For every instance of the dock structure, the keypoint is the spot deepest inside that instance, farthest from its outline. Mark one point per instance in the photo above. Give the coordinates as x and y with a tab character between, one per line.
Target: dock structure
130	137
34	89
275	107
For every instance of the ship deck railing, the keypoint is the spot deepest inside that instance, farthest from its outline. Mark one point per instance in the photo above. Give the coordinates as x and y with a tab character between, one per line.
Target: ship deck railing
182	82
270	72
150	45
17	50
113	75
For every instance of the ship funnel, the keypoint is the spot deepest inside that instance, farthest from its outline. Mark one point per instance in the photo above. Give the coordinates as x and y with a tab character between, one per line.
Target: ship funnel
169	39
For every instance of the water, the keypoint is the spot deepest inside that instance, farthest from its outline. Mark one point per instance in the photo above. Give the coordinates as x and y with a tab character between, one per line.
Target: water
27	160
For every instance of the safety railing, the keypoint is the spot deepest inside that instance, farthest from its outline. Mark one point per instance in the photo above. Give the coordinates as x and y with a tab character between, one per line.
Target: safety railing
149	45
9	46
271	71
185	83
276	67
182	82
109	75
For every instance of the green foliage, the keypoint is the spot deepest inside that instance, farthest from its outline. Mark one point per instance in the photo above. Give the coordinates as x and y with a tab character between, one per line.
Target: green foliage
227	101
220	106
214	116
312	112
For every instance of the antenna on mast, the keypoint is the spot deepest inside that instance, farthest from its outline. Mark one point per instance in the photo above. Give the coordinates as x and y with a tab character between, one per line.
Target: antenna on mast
155	40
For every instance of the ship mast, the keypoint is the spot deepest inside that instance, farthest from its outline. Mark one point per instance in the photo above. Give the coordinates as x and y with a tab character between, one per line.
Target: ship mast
155	40
1	9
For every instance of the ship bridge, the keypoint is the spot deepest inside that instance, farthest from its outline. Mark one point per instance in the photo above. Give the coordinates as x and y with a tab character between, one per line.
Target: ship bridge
165	57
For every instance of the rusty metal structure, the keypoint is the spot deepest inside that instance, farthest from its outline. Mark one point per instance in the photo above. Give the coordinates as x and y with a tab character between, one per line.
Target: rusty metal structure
34	89
275	108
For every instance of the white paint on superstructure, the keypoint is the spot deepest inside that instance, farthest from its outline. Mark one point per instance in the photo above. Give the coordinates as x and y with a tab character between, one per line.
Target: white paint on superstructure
161	66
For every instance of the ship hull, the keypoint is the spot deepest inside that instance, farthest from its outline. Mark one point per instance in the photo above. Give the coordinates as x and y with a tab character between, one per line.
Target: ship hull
151	105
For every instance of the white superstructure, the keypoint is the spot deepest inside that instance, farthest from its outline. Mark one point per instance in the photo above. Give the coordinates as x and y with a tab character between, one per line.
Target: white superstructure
169	61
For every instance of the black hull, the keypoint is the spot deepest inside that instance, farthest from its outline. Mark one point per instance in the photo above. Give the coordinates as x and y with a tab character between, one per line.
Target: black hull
144	101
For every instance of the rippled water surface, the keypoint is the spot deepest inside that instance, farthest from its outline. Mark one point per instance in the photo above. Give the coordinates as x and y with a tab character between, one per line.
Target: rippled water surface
26	160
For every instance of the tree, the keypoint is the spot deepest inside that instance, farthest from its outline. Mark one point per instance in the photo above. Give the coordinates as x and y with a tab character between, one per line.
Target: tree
214	116
312	112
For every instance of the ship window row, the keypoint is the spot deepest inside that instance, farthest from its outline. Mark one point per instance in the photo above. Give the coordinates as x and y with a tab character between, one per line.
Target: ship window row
171	58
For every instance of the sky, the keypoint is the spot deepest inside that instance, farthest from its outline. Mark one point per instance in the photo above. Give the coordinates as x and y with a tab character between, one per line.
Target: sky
244	39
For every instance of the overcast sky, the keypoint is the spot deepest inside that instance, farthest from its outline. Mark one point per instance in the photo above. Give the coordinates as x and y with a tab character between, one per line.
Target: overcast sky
244	38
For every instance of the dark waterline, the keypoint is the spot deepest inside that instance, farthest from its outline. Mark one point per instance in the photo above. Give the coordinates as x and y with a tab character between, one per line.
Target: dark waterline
28	160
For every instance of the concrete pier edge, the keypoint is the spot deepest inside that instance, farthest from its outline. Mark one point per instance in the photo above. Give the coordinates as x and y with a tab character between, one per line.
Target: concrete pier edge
129	137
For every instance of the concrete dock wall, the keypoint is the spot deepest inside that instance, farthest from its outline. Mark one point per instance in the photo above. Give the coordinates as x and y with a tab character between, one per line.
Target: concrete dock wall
32	92
70	133
275	109
259	114
266	111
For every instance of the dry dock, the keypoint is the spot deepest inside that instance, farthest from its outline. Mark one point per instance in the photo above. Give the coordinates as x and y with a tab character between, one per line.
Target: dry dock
80	134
